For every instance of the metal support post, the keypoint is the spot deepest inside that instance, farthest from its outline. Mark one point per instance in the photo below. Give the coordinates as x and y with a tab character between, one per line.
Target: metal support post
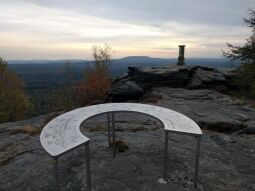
55	164
163	180
109	129
165	156
113	135
87	158
197	161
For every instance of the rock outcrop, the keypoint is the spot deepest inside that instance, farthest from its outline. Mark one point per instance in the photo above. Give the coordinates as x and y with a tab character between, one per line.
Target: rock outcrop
124	88
209	108
175	76
203	77
139	80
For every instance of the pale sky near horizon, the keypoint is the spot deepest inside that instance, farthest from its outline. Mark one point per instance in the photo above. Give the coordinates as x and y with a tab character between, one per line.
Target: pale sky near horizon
64	29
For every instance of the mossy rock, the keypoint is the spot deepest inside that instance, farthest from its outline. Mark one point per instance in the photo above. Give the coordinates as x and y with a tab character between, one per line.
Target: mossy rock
121	146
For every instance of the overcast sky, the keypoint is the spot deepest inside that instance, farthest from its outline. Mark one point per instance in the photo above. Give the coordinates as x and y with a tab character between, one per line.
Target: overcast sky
67	29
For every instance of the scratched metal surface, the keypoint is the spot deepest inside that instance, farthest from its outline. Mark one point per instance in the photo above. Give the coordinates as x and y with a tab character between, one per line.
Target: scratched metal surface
63	133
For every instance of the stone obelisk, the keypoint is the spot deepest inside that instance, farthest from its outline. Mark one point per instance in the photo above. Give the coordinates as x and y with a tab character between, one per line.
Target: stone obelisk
181	60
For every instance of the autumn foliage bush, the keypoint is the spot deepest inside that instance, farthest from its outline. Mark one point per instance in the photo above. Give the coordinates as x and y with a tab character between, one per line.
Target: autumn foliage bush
96	84
94	88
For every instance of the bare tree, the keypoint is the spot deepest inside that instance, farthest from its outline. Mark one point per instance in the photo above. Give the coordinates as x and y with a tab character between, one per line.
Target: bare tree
96	84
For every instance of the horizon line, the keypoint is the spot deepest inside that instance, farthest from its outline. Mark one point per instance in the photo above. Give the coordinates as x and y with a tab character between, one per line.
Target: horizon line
78	59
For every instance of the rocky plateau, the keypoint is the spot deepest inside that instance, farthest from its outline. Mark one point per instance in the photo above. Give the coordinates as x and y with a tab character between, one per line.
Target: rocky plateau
227	147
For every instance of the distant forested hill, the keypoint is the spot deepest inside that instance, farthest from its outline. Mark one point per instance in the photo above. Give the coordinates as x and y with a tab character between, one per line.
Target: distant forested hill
46	72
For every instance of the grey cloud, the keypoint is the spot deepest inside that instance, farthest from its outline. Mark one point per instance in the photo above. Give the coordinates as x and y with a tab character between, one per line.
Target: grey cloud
152	12
208	23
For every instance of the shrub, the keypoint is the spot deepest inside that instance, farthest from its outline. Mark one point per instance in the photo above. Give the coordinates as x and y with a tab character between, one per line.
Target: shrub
96	83
14	103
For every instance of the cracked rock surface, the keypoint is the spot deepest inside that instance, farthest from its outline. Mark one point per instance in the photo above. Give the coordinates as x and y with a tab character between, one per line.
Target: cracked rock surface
226	160
210	109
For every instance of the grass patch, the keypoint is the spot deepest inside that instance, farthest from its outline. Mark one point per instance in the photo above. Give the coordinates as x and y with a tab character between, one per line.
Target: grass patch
27	129
151	98
98	128
121	146
222	127
32	129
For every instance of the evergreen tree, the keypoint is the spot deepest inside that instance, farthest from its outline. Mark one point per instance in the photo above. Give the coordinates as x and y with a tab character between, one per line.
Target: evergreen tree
245	55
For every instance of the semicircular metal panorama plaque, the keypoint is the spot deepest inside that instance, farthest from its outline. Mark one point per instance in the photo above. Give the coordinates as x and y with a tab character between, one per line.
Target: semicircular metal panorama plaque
63	134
